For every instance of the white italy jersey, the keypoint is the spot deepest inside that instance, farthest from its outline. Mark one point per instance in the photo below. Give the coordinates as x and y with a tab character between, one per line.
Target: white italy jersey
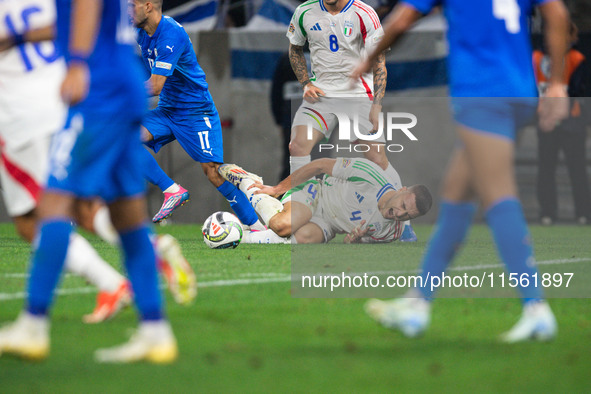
30	75
338	43
351	195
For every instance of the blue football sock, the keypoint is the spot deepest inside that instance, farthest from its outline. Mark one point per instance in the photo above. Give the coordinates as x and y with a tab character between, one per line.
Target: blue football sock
153	173
47	263
140	262
239	203
507	223
450	231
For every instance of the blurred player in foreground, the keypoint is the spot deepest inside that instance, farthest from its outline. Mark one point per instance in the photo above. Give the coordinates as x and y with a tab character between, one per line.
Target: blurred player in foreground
343	202
31	112
185	111
489	56
96	154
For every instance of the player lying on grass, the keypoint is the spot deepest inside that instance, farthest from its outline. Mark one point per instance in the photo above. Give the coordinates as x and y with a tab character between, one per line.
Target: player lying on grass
352	198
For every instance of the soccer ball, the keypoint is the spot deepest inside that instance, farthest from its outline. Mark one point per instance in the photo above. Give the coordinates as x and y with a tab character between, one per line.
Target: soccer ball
222	230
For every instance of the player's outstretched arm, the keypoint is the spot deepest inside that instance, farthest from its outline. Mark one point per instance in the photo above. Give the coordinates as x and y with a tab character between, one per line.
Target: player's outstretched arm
315	167
400	20
36	35
552	108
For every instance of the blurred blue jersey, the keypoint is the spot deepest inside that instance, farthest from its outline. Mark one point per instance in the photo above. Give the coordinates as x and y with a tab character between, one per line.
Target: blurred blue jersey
98	152
114	68
169	52
489	46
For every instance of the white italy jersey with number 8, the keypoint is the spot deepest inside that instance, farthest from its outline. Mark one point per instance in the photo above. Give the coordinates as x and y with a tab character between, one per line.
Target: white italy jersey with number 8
337	44
30	75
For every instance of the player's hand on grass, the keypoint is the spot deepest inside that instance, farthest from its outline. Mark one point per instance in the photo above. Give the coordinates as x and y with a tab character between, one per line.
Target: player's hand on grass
553	107
76	83
357	233
312	93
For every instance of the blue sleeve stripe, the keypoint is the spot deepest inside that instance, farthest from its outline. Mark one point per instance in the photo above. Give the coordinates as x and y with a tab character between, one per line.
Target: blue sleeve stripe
383	191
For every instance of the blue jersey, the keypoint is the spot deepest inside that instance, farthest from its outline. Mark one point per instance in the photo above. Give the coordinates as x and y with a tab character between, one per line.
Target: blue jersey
98	152
112	64
489	46
169	52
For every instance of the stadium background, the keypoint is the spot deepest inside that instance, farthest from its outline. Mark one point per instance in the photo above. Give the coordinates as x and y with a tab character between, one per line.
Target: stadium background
240	62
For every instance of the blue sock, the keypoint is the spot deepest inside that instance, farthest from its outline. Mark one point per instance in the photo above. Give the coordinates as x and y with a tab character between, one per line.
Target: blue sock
507	223
140	262
153	173
47	263
450	231
239	203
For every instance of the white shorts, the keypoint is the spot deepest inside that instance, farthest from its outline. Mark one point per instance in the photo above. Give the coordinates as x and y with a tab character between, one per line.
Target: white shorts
324	115
23	173
309	194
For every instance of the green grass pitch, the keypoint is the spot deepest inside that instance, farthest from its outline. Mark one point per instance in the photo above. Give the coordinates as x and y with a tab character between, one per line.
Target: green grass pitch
246	333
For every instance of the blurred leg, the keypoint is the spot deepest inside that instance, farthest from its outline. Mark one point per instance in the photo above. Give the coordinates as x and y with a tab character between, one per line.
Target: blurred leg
453	222
491	160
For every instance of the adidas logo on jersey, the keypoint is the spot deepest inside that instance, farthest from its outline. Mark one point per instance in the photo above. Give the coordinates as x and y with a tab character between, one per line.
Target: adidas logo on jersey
316	27
359	197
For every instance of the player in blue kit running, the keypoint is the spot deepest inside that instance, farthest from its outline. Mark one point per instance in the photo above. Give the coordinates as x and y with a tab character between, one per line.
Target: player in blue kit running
489	56
186	111
97	154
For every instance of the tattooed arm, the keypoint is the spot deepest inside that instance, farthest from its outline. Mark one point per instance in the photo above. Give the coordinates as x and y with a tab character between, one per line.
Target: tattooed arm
300	69
379	89
298	64
379	79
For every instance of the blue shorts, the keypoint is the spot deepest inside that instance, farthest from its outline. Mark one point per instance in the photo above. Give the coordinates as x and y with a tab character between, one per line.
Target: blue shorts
200	135
98	154
497	115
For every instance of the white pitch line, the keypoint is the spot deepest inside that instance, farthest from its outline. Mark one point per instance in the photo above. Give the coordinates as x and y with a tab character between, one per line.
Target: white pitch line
25	275
278	278
238	282
216	283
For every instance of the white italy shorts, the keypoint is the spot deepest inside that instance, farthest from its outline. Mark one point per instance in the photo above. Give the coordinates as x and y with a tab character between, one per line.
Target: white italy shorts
332	113
309	194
